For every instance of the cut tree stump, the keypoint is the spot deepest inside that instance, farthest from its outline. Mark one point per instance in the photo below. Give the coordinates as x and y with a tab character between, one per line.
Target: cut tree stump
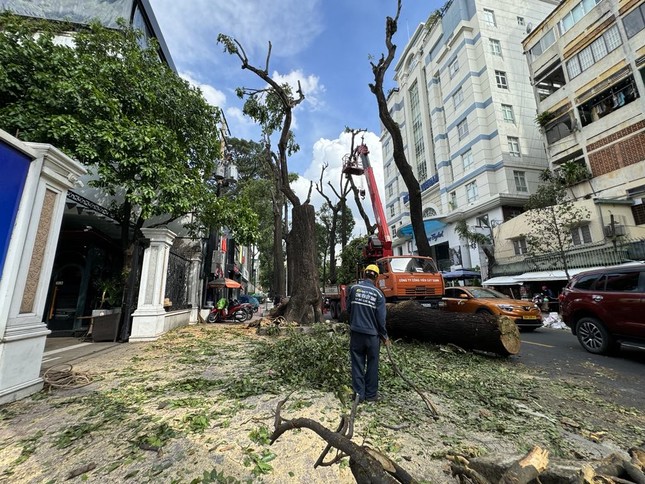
491	334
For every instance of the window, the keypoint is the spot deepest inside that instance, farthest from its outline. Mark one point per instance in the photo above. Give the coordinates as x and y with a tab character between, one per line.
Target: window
581	235
392	211
519	245
612	38
495	47
390	190
500	78
467	159
520	20
453	68
514	146
458	97
582	61
598	48
520	181
586	58
634	21
462	129
417	132
577	12
543	44
471	191
453	200
489	17
429	212
573	67
507	113
622	282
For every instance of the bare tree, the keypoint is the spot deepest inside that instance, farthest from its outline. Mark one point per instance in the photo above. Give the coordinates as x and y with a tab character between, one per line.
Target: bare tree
412	184
272	106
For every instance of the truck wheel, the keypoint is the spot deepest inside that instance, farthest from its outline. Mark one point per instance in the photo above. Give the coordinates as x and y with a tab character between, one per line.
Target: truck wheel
593	336
332	310
338	310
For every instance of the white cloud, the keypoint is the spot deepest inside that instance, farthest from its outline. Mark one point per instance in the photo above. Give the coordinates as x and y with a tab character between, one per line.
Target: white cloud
193	31
213	96
310	85
332	153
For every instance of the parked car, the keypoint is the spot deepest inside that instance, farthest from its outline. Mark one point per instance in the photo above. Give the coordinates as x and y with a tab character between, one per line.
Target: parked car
482	300
245	298
606	307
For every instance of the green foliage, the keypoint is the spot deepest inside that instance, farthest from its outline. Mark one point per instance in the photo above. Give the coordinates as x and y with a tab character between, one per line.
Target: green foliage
543	118
197	422
75	432
352	259
157	438
317	360
261	435
149	136
260	462
216	477
571	173
464	233
551	217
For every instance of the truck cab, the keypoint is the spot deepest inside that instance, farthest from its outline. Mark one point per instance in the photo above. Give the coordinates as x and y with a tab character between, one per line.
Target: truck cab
406	277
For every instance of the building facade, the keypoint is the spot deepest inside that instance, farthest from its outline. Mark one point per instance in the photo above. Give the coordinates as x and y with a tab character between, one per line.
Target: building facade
467	114
587	64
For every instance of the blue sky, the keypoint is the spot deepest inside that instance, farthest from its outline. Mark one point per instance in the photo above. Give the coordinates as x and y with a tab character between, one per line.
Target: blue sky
326	44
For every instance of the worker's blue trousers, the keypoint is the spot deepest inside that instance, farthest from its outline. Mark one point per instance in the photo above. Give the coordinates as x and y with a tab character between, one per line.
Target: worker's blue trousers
364	350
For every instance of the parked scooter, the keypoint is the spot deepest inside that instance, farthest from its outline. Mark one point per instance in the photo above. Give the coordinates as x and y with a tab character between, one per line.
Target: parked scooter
231	311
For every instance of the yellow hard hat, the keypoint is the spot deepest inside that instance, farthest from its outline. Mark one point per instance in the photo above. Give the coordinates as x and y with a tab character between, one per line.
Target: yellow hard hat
373	268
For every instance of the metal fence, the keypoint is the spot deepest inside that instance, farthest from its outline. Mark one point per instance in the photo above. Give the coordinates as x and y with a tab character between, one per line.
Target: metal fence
599	257
177	281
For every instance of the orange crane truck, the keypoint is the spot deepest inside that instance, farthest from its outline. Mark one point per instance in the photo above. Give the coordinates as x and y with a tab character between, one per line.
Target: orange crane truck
401	277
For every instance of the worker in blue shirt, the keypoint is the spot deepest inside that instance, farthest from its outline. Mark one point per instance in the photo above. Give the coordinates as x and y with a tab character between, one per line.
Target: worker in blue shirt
366	308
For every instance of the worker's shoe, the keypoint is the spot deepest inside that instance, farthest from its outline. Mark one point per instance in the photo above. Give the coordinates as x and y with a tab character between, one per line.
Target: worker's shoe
375	398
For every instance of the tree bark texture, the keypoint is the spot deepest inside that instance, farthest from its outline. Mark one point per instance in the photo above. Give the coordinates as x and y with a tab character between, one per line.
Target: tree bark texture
304	304
410	319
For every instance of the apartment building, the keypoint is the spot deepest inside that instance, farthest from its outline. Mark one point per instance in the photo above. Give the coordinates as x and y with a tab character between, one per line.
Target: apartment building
467	114
587	65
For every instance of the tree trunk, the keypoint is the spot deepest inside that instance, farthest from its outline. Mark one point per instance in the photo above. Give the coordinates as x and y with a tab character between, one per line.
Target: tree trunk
304	304
469	331
278	282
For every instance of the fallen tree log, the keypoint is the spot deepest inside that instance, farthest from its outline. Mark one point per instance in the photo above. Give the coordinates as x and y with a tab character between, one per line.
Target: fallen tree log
491	334
536	467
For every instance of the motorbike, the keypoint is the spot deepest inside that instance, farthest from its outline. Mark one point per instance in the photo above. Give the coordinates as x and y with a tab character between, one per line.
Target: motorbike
235	312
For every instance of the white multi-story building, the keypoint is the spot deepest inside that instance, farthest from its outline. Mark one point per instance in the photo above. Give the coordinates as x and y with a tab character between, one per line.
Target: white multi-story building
466	109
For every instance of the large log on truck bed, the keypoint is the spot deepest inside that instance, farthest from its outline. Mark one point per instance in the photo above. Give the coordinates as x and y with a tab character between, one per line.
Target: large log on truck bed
491	334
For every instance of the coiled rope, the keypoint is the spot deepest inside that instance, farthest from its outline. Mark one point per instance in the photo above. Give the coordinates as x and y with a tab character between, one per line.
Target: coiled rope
62	376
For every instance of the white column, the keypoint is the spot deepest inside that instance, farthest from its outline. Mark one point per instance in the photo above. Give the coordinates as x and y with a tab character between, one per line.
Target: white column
148	319
195	286
30	258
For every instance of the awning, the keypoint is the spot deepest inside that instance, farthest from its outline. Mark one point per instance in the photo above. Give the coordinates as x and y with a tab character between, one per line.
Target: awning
225	282
430	226
502	281
555	275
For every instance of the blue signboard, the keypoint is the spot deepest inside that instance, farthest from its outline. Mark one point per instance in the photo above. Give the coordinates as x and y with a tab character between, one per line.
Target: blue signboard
14	166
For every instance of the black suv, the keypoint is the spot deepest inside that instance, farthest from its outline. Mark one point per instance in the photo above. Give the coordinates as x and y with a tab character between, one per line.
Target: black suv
606	307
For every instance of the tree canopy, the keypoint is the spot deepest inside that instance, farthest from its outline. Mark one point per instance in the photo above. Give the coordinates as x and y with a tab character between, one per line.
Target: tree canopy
104	97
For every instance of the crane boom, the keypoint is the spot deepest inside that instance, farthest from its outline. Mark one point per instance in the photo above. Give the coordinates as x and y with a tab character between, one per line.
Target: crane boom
381	246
